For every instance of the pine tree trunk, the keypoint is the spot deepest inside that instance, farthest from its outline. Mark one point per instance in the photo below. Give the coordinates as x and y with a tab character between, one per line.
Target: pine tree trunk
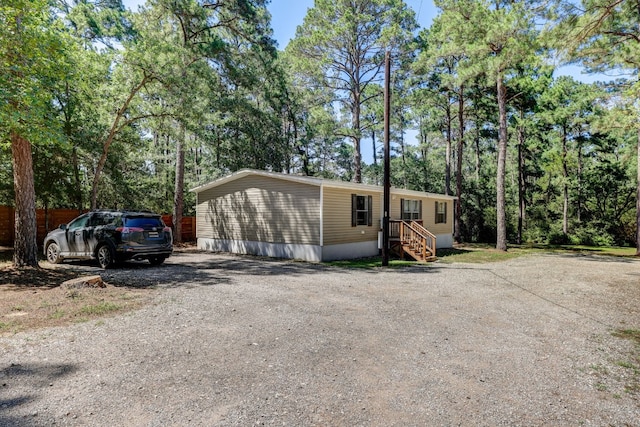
25	244
522	209
579	190
375	156
458	203
565	185
76	178
638	201
357	156
447	161
478	160
501	226
178	196
405	182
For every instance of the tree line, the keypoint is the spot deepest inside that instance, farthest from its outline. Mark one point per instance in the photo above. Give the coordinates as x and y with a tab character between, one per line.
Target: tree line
103	107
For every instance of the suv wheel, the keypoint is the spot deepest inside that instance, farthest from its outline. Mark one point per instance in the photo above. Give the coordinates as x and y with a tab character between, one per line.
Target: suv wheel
53	253
157	260
105	256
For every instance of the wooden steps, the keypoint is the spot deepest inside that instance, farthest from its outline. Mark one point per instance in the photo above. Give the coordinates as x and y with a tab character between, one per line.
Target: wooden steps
418	254
411	238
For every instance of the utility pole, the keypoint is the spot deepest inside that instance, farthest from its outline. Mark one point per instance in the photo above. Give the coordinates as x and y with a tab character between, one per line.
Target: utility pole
387	161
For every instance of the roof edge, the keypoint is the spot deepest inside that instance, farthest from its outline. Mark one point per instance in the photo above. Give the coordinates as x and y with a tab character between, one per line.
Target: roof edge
246	172
319	182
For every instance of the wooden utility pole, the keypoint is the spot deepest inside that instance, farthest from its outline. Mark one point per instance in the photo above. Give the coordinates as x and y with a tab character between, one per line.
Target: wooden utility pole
387	161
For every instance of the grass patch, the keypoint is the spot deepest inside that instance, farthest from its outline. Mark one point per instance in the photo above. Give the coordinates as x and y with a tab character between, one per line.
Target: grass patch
6	326
58	314
628	334
625	364
481	253
100	308
371	262
617	251
632	366
484	253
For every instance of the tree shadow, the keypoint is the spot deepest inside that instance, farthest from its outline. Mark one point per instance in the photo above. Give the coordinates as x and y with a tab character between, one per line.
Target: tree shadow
29	278
32	377
597	256
445	252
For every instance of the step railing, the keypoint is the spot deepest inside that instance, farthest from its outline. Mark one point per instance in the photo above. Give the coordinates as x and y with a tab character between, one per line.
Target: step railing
420	241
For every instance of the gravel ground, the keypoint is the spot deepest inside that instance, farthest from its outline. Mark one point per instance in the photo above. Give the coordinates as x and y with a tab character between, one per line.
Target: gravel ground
232	341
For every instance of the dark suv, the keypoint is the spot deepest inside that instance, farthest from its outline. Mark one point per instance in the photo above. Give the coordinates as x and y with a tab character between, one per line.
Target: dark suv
111	236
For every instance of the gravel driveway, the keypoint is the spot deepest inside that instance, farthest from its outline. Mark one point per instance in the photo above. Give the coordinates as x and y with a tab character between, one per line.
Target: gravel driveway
234	341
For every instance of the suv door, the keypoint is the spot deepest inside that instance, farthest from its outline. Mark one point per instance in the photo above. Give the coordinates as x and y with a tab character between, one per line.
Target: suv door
93	231
76	236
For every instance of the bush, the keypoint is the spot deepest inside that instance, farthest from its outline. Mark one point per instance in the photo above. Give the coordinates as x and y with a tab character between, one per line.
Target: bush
590	236
558	238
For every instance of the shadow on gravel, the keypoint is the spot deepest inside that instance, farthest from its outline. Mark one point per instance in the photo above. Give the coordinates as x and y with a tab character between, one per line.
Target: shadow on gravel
144	275
32	377
258	266
597	257
188	270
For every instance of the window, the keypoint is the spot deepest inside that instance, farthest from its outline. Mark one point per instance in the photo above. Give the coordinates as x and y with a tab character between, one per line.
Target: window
441	212
361	210
78	222
411	209
143	222
102	219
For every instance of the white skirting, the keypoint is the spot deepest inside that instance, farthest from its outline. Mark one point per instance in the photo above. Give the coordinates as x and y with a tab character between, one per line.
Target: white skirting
276	250
444	241
313	253
350	251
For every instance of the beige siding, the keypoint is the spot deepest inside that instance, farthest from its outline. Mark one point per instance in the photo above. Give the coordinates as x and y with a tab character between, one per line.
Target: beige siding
428	212
258	208
336	212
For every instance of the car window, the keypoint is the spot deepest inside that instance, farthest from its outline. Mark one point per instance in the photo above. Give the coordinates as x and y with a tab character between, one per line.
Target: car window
143	222
103	219
78	222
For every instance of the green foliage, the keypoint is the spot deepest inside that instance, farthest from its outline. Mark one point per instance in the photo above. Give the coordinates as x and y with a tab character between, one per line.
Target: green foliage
589	236
32	63
89	80
341	47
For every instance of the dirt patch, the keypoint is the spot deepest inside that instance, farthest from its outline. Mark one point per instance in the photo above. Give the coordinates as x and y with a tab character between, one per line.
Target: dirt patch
33	298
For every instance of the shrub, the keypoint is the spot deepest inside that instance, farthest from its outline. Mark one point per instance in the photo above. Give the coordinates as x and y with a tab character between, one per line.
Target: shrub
591	236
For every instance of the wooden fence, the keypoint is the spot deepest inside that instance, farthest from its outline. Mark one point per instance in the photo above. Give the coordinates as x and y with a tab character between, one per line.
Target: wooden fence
50	219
